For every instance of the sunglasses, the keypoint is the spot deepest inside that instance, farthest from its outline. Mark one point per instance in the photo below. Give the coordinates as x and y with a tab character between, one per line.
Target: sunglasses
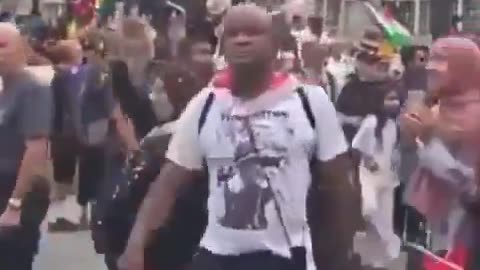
369	58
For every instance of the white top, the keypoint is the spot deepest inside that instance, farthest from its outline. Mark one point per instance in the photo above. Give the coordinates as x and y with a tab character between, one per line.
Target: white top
255	150
366	142
340	70
44	74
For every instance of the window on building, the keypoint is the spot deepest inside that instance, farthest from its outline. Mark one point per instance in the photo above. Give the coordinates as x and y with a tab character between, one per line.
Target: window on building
355	20
333	13
424	24
319	6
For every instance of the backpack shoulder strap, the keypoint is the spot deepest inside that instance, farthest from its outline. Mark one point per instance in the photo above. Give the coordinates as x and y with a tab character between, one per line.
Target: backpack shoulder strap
306	106
333	87
205	110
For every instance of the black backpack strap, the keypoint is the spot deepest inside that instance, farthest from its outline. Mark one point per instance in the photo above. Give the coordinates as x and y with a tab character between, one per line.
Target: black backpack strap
333	87
205	110
306	106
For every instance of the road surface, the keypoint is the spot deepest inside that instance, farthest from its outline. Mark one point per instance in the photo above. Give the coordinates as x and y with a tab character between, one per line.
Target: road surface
74	251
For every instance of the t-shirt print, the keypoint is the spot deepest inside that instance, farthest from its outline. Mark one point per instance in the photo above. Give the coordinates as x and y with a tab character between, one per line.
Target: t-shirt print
260	152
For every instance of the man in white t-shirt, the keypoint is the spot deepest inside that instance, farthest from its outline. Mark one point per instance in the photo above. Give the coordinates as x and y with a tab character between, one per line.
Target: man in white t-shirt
257	141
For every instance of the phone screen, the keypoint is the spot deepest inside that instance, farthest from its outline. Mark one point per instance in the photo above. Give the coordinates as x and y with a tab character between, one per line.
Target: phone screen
415	98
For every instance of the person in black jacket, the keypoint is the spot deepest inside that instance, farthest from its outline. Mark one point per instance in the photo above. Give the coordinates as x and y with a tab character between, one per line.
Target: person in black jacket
356	99
371	75
174	246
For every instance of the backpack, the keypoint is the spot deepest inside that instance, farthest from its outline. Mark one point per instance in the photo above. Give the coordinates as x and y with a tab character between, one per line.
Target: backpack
82	109
176	243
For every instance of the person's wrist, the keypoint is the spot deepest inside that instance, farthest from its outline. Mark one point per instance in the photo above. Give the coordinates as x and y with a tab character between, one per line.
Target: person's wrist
14	204
135	244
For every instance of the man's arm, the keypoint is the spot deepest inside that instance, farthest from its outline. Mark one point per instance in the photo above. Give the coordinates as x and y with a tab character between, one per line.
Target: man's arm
34	162
159	201
36	115
332	214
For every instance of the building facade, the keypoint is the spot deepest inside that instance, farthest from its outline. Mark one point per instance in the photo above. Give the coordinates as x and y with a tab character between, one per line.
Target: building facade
470	15
413	14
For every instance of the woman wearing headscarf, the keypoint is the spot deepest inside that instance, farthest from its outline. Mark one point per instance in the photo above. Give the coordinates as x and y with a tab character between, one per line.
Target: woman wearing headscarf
445	188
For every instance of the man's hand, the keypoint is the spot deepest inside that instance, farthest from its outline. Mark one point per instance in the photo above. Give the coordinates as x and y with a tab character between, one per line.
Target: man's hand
132	258
10	217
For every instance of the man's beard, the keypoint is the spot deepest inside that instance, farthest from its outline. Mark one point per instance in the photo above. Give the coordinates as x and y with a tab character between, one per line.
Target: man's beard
247	74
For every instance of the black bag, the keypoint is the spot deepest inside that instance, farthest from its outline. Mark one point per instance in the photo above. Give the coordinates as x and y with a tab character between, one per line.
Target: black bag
176	243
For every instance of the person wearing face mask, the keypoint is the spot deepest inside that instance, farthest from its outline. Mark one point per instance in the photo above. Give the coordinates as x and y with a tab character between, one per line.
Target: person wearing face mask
371	76
355	101
376	141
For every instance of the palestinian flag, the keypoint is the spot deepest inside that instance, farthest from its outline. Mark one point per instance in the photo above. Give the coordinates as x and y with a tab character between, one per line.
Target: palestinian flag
395	32
105	8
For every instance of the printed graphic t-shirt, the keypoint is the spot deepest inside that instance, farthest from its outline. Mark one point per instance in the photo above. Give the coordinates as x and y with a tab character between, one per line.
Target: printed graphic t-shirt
258	154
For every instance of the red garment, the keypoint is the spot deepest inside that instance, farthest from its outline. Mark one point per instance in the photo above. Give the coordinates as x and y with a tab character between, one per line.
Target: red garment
223	79
84	10
458	256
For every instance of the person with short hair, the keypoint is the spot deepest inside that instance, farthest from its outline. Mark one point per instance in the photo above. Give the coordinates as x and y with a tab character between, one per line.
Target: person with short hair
26	111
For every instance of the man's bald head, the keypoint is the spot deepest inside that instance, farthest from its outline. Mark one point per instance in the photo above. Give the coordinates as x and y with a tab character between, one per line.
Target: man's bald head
249	13
12	49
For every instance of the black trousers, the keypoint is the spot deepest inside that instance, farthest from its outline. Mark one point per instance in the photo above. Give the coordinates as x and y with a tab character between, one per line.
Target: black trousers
111	261
19	244
66	153
205	260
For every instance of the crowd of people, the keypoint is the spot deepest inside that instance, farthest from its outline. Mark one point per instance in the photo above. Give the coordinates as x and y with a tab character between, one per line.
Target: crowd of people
247	140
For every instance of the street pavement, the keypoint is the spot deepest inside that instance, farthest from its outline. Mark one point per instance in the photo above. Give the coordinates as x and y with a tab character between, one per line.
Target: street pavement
74	251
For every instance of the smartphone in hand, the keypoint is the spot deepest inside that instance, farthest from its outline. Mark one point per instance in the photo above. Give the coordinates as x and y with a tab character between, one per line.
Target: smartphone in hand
415	98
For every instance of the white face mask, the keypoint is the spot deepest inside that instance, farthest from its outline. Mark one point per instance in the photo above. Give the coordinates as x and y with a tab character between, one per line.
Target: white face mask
369	73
